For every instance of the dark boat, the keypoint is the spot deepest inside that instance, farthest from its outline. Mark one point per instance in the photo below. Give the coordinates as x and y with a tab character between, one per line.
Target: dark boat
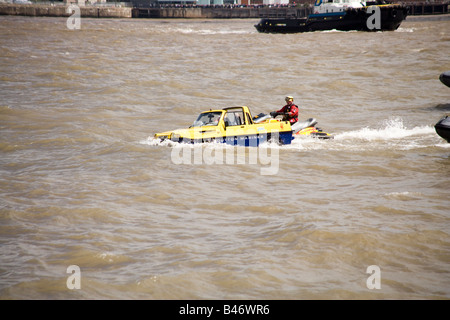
443	128
340	15
445	78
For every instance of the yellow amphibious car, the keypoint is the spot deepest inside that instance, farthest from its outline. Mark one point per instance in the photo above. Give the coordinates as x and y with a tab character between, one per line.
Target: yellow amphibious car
236	126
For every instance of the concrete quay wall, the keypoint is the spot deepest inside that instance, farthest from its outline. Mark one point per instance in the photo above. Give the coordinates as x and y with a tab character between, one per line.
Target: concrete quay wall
37	10
219	13
61	11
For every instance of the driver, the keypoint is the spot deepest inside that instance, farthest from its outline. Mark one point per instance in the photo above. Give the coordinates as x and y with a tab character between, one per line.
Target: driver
289	111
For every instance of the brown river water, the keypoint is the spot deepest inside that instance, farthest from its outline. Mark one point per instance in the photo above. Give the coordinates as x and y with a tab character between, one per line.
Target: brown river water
83	183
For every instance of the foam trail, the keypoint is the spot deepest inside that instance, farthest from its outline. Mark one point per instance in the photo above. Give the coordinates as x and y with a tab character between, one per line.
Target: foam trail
393	129
157	142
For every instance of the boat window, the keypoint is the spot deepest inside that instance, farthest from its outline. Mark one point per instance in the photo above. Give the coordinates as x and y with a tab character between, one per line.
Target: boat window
235	118
207	119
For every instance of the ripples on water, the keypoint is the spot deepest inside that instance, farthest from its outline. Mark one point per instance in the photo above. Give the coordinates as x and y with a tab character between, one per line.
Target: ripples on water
84	183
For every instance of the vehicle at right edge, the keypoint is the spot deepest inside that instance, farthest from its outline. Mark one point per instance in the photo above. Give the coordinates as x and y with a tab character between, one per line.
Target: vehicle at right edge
343	15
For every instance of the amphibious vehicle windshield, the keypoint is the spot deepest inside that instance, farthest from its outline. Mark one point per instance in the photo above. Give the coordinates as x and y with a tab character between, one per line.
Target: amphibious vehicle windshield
207	119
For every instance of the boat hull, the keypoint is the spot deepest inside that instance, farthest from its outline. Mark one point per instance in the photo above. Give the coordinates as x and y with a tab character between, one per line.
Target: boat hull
247	140
442	128
445	78
391	16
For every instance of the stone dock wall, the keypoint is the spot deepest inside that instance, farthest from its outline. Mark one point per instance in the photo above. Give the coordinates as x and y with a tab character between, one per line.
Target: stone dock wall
35	10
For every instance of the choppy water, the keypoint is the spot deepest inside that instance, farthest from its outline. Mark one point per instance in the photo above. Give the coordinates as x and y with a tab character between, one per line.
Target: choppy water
83	182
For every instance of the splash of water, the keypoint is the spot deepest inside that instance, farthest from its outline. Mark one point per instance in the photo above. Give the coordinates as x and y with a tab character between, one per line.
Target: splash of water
392	129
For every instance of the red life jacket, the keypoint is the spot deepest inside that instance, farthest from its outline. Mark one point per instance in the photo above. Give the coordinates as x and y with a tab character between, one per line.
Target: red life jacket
292	113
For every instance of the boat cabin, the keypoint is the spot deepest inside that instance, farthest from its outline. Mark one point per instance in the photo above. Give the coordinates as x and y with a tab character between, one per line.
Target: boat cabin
332	6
